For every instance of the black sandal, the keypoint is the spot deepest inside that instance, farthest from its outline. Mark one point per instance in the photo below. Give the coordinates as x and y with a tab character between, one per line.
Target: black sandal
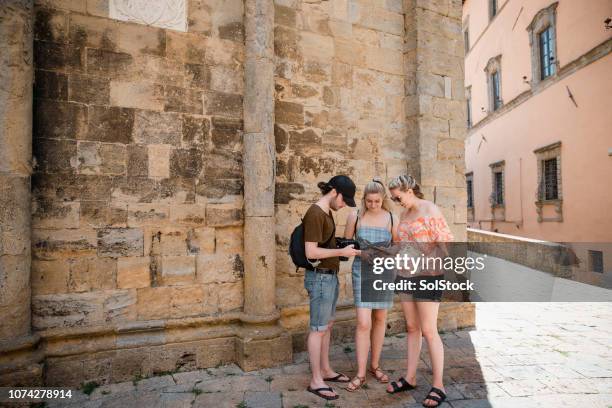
317	392
401	385
439	398
337	378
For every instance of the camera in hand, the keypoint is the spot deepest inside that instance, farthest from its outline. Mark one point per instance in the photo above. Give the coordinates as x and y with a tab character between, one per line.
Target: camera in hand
344	242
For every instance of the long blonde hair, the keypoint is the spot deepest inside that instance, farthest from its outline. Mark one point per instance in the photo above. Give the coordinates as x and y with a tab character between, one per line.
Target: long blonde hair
375	187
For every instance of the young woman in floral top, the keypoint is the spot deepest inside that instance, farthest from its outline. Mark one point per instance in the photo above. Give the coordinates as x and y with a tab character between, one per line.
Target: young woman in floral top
423	225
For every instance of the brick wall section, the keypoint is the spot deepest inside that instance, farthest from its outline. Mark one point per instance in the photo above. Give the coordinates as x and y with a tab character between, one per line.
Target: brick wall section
137	191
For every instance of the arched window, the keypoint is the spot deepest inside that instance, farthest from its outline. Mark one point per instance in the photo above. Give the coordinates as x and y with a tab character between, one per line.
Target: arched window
542	38
494	78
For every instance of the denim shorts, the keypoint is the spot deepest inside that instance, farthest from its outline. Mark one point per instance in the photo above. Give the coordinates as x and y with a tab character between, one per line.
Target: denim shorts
420	295
323	292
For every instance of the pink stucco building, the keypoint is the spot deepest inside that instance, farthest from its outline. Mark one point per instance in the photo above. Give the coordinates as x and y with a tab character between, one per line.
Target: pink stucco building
538	77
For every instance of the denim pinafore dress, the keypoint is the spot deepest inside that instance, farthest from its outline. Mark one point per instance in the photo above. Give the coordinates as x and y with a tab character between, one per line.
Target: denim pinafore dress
373	235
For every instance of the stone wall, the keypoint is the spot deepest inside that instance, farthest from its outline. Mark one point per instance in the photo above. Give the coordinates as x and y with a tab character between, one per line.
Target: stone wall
552	257
15	168
367	88
137	202
339	110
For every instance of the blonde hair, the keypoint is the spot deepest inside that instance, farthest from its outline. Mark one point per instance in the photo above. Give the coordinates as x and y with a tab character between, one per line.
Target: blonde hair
375	187
406	182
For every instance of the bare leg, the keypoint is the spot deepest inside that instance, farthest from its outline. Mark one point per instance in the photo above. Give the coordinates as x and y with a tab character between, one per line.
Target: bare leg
379	320
414	340
362	339
325	367
326	370
428	314
315	341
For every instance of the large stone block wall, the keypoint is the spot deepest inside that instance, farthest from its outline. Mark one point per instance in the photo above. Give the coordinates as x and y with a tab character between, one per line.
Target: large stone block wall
368	88
435	106
137	190
339	110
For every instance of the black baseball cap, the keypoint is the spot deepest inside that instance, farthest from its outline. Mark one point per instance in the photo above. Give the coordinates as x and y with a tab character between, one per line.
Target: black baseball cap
345	186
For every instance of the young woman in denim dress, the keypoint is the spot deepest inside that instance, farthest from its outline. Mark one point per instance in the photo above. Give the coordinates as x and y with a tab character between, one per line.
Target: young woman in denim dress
374	223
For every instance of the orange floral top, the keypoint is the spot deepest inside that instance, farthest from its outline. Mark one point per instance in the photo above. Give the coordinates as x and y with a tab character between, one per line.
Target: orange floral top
425	229
423	235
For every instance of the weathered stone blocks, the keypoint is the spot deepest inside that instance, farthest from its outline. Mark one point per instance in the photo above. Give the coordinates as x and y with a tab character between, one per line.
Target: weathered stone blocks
110	124
139	95
223	215
89	274
219	268
255	353
49	277
137	161
60	244
177	270
59	120
188	214
175	301
226	133
289	113
88	89
197	76
222	104
186	47
82	309
99	158
286	42
140	214
52	55
104	62
133	272
196	130
285	191
186	162
159	160
50	25
50	85
97	214
55	215
228	240
55	156
152	127
117	242
182	100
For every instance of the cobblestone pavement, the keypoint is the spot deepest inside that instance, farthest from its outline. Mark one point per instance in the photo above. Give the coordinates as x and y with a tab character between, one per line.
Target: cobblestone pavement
521	355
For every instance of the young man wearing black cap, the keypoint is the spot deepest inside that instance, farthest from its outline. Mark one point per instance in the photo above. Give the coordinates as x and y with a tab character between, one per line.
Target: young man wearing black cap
321	280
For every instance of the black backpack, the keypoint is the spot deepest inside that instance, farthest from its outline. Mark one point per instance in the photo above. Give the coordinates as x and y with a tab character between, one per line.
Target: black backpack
297	248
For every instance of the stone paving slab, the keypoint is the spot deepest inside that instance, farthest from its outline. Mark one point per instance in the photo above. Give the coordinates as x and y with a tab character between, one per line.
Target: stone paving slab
521	355
263	399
